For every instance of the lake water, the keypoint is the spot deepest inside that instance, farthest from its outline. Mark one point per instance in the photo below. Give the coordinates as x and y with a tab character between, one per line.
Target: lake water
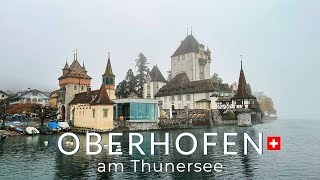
27	157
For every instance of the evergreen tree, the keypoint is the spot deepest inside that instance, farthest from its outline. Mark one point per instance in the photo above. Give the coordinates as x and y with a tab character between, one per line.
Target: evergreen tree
122	90
131	81
141	65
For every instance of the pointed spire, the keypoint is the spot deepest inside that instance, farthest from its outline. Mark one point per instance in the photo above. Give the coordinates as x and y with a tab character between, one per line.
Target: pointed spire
83	67
108	71
242	91
187	30
75	54
241	61
66	66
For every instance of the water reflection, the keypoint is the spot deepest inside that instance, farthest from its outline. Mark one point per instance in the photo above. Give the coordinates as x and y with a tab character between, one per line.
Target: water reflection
35	160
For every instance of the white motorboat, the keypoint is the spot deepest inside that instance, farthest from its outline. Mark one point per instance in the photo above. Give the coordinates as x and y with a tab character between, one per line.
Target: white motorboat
32	130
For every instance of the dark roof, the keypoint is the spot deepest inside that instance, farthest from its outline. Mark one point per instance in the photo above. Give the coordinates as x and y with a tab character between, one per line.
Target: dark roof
108	71
181	84
189	44
96	97
242	91
224	99
76	71
102	97
156	75
85	97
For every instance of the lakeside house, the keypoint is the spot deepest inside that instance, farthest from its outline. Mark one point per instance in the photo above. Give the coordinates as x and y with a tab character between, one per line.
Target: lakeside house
3	95
29	96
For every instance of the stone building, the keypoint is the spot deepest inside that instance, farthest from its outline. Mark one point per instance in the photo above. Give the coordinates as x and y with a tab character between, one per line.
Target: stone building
155	81
191	85
192	59
94	109
74	80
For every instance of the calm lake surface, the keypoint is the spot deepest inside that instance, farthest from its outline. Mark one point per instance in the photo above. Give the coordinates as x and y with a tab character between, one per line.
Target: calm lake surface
27	157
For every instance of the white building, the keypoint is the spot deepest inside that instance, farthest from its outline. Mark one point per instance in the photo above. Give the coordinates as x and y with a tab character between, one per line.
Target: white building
29	96
192	59
181	92
3	95
191	85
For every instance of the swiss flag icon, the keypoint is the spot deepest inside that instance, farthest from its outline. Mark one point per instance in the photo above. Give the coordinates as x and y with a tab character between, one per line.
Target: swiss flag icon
273	143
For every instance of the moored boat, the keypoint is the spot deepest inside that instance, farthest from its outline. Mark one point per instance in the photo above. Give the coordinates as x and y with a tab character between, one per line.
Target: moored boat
54	126
32	130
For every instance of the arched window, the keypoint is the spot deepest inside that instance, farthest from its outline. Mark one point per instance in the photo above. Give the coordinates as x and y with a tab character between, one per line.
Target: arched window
111	80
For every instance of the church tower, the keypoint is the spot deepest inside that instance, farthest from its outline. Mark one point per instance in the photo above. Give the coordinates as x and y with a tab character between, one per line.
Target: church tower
191	58
108	80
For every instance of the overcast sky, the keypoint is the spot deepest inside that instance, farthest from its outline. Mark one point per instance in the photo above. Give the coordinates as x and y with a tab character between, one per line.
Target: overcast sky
279	41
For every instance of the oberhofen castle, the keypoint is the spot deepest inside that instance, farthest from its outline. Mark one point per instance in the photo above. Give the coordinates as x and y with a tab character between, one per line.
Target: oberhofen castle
191	87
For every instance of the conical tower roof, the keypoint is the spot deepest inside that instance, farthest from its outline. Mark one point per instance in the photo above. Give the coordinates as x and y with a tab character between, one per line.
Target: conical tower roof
108	71
66	66
242	92
156	75
83	67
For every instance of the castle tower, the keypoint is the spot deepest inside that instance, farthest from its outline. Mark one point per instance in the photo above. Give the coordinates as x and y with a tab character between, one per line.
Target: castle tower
74	80
108	80
191	58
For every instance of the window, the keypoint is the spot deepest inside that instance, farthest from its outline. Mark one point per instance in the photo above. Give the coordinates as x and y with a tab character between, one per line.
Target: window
182	57
105	113
179	98
111	80
2	95
82	88
79	113
75	87
188	97
172	98
93	113
34	94
107	80
165	99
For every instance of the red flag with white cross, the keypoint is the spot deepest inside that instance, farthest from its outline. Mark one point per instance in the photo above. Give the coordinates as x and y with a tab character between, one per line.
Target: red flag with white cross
273	143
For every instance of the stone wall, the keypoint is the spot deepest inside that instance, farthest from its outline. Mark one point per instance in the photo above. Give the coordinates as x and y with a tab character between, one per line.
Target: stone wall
244	119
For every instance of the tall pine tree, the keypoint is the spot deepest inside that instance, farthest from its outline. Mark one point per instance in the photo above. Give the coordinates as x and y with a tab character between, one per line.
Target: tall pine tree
142	70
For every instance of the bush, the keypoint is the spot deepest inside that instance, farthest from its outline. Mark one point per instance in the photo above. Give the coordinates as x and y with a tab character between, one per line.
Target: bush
229	116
